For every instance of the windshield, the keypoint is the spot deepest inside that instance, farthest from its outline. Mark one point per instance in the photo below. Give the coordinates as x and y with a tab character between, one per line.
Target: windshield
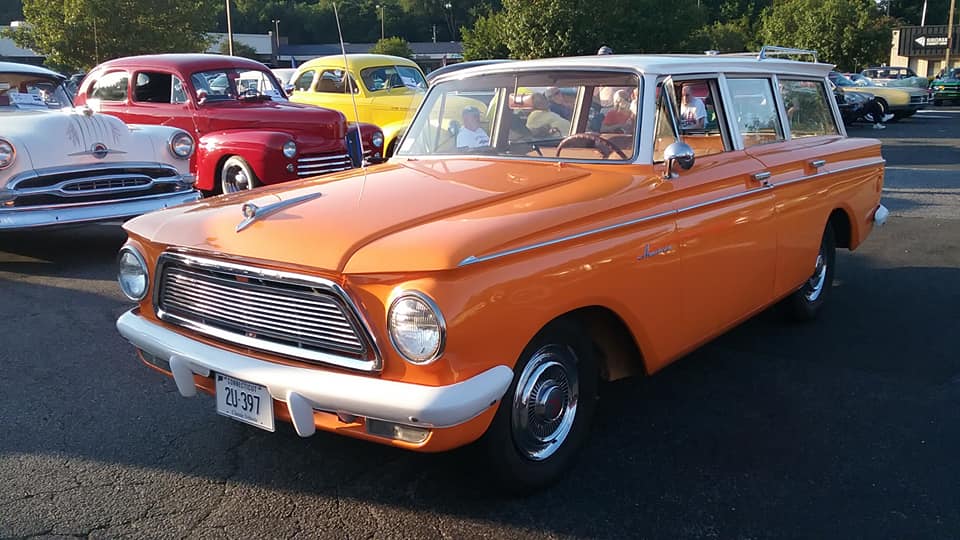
840	80
567	114
234	84
386	77
30	91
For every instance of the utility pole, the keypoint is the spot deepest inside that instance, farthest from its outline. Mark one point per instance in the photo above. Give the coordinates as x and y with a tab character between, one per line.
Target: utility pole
229	30
276	38
946	63
382	24
434	33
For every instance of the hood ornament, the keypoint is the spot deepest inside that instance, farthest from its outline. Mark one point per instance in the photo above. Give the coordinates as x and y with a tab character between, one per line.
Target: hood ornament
252	212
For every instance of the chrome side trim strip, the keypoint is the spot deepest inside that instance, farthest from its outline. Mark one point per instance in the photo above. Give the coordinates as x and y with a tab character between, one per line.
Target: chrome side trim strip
834	171
726	198
364	332
474	259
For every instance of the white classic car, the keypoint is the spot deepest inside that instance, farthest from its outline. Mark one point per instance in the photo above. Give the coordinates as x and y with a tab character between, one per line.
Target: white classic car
61	165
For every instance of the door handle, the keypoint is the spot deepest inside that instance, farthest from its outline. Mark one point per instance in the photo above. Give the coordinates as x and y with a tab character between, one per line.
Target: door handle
817	163
762	177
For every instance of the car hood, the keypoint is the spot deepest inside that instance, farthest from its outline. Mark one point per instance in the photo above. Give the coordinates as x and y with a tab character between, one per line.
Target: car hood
272	115
52	139
406	216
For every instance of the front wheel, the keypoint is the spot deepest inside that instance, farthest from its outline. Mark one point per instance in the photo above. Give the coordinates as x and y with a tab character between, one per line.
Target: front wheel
236	175
807	301
545	416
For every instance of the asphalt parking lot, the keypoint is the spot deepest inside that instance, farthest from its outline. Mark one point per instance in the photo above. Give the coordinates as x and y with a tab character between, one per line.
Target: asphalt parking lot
843	428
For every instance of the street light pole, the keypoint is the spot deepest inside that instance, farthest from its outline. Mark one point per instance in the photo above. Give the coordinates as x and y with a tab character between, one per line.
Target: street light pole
449	7
382	24
946	62
229	30
276	37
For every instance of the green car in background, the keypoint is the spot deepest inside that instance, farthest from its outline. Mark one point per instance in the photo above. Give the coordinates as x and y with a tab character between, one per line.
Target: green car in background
947	87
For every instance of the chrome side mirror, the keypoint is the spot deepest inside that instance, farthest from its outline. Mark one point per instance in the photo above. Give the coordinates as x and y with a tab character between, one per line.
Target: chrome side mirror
678	153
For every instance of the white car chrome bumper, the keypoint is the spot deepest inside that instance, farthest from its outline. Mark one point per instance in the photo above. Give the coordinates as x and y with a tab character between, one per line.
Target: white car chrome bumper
44	216
305	390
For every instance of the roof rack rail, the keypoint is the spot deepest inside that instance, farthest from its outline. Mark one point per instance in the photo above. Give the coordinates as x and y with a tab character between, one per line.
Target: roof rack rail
770	50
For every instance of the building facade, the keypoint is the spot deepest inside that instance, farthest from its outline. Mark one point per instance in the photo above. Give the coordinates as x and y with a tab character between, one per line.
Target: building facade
924	48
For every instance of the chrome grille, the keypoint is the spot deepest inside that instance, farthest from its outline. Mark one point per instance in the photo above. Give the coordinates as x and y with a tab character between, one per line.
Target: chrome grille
122	182
287	314
315	165
918	100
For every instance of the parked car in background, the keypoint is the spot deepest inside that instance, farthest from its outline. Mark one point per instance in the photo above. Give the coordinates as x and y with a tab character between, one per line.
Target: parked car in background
60	165
285	76
901	102
450	68
947	87
249	134
386	90
883	74
481	284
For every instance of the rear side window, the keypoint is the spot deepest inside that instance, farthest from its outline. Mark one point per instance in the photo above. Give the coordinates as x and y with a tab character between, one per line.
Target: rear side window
111	87
808	108
755	111
153	87
304	81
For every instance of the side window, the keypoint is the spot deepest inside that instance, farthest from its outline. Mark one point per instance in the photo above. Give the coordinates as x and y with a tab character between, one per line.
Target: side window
153	87
700	116
111	87
333	81
755	111
179	93
808	108
304	81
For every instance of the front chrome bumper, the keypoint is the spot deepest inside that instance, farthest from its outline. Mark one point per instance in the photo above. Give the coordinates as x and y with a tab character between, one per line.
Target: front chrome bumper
44	216
305	390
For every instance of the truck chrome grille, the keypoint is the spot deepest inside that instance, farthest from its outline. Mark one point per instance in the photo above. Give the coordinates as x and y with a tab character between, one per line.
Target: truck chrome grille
313	165
291	315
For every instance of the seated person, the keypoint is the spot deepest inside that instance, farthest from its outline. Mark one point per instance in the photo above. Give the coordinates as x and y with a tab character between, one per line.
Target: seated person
693	113
561	101
543	122
620	118
471	135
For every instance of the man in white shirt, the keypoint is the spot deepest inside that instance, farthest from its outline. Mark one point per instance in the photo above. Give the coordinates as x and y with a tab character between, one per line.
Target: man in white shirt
693	113
471	135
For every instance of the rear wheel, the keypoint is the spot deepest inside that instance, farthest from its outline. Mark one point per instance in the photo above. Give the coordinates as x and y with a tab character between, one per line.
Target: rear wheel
236	175
545	416
807	301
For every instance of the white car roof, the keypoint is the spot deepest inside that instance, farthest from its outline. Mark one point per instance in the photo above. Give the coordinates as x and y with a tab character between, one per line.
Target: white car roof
657	64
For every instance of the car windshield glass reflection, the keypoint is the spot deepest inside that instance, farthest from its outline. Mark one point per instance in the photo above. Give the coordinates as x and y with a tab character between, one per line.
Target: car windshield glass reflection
26	91
387	77
233	84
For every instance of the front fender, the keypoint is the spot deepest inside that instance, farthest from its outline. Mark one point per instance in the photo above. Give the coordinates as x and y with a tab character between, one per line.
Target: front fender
392	133
262	150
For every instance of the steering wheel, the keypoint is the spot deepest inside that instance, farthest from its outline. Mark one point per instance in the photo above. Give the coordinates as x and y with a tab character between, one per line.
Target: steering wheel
597	140
249	93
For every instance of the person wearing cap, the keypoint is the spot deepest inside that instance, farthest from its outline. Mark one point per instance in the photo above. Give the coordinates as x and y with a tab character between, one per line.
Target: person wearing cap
471	135
605	50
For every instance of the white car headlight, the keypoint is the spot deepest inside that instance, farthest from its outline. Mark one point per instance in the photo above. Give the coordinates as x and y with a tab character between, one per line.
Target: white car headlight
181	145
377	139
132	274
290	149
416	328
7	154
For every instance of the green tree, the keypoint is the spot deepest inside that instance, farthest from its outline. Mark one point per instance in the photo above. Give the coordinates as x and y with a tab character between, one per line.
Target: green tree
394	46
487	38
83	33
849	33
239	49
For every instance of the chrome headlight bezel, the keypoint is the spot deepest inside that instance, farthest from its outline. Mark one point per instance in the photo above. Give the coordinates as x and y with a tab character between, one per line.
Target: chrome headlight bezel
289	149
377	139
10	151
181	145
140	264
424	301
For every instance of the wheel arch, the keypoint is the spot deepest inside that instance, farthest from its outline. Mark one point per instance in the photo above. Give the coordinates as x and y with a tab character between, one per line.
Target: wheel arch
842	226
617	352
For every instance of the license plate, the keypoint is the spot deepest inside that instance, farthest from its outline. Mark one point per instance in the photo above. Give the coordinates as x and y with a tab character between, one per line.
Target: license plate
244	401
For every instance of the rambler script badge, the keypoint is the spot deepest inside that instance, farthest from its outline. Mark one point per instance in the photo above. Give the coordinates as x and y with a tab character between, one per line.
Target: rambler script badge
647	252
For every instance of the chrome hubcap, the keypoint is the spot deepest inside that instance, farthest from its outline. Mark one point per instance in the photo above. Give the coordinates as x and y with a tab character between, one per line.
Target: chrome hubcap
235	179
545	402
816	281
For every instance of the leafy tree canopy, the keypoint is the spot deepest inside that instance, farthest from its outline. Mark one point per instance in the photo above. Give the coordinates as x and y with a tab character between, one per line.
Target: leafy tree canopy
394	46
82	33
849	33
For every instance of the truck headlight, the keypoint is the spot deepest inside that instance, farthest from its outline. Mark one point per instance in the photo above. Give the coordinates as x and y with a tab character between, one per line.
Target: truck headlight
7	154
290	149
416	328
377	139
132	274
181	145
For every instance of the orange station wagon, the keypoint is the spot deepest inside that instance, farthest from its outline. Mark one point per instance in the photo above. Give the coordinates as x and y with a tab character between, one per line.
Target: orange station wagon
589	219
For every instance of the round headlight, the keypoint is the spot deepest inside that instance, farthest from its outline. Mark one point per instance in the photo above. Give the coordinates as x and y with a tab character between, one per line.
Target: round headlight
416	327
290	149
377	139
132	274
181	145
7	154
